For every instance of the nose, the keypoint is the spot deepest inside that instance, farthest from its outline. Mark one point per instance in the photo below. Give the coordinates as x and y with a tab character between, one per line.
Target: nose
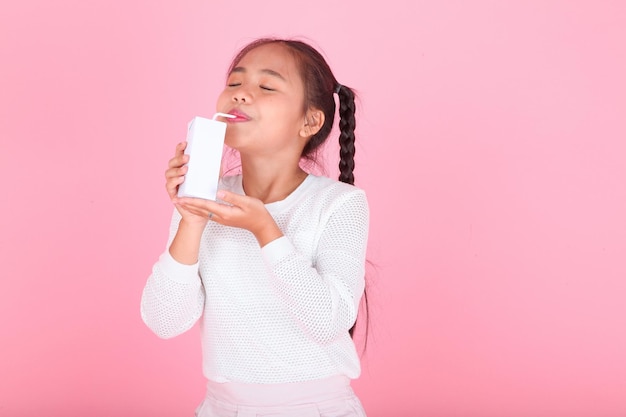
241	95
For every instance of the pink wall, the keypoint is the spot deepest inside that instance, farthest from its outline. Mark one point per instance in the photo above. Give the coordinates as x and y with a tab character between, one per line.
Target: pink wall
492	146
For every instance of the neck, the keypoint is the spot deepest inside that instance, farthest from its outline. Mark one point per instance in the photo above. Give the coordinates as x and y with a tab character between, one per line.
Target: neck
269	181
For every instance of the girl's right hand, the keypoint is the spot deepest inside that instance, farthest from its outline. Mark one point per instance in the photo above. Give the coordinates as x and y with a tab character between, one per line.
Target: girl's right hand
174	176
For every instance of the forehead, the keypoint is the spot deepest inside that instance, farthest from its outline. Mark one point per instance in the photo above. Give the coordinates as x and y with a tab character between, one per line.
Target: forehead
273	56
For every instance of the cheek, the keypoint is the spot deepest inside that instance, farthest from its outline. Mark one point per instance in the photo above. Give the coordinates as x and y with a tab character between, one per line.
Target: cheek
288	111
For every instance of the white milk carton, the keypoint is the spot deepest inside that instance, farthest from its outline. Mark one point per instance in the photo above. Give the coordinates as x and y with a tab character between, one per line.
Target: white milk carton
205	142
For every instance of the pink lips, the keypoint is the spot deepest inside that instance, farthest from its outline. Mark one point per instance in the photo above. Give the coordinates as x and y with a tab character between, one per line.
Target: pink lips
239	116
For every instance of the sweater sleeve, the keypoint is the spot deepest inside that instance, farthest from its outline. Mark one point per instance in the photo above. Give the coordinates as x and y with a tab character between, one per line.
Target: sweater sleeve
173	297
324	295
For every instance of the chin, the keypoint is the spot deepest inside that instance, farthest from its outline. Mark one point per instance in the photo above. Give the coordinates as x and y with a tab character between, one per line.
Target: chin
231	139
232	143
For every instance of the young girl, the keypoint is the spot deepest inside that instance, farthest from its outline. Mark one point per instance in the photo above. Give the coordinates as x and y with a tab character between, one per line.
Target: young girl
276	267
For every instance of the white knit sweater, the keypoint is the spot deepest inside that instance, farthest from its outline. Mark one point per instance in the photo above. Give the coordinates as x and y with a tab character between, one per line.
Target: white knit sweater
275	314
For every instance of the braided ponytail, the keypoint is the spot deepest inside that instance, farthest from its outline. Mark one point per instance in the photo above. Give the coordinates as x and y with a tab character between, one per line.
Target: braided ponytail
347	124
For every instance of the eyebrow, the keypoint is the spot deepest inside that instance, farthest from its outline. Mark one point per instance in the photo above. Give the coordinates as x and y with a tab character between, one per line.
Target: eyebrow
264	71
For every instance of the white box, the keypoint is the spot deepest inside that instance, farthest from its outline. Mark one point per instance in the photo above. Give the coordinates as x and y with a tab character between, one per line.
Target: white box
205	144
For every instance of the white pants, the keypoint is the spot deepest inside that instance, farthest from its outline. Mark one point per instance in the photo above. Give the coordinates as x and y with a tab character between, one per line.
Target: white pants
330	397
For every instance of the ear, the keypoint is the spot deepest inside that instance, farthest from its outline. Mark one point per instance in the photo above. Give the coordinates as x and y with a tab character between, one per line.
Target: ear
312	123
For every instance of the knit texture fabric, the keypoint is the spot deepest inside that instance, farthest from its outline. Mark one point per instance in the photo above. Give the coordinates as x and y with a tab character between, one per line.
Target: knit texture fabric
275	314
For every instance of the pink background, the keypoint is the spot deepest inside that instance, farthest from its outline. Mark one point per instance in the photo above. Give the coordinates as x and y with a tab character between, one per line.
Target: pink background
492	145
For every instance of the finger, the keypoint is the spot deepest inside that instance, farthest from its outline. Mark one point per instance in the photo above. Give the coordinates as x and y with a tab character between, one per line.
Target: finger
172	184
191	204
214	217
196	203
196	211
179	155
209	206
232	198
178	161
176	172
200	211
180	148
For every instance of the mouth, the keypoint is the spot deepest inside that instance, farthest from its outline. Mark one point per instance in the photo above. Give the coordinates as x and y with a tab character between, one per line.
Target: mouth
239	116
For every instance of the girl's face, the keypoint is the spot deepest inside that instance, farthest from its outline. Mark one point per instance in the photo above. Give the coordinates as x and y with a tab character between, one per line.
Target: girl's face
266	94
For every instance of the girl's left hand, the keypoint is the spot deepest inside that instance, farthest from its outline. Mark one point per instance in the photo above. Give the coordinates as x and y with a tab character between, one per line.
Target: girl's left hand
241	211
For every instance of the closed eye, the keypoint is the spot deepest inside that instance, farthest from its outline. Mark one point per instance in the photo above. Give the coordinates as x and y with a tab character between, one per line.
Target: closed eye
266	88
234	84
